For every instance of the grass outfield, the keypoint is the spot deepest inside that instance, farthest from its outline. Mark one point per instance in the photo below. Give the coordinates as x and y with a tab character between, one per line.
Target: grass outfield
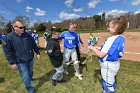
128	78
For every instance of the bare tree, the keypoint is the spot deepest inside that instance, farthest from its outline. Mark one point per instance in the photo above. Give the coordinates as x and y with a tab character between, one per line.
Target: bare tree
3	23
138	20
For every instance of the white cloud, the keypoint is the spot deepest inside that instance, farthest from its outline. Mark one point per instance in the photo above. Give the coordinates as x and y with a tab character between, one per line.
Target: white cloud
19	1
46	21
78	9
135	2
28	8
68	16
113	0
31	24
56	21
68	3
3	12
40	12
100	13
93	3
114	12
34	21
136	12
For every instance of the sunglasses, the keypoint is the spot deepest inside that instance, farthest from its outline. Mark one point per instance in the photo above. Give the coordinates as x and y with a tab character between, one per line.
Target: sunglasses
20	27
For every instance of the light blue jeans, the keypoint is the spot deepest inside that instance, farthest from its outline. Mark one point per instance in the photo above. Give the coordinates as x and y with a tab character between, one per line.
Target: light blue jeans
26	72
58	74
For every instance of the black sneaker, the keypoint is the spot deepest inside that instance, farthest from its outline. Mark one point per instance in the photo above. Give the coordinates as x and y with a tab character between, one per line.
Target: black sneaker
61	81
54	82
32	81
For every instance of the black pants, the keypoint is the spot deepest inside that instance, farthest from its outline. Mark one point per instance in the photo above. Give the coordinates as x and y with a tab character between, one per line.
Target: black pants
78	53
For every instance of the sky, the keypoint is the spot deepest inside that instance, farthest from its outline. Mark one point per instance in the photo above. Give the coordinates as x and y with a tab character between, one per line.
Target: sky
59	10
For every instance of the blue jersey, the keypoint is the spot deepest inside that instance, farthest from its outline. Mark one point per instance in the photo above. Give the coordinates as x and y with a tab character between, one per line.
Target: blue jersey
113	47
70	39
35	36
2	36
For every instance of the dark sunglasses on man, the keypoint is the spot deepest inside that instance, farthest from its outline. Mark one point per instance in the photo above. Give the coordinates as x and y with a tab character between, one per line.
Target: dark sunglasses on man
20	27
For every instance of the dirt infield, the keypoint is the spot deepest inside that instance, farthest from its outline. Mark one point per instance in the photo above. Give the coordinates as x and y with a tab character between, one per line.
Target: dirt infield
132	44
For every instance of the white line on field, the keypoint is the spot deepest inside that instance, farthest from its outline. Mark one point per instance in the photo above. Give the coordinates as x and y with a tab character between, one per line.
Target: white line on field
132	53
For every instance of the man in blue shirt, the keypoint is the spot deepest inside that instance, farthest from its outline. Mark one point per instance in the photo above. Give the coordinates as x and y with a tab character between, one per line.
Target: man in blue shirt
70	42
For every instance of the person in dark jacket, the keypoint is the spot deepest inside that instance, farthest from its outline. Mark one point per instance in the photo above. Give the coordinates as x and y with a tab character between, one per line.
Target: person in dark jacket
56	57
78	50
19	48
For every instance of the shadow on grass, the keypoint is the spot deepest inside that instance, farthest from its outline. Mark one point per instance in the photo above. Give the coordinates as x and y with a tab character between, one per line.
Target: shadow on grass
82	66
43	79
71	70
70	74
96	75
2	80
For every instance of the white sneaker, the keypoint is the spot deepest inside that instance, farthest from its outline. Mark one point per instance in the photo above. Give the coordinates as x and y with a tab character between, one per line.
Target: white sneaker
76	74
79	76
66	72
103	91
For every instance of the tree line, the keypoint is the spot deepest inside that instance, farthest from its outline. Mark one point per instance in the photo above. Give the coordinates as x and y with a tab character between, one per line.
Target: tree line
95	22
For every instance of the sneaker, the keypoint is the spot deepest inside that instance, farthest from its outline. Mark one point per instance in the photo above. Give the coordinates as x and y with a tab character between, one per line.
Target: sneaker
54	82
103	91
61	81
66	72
76	74
79	76
32	81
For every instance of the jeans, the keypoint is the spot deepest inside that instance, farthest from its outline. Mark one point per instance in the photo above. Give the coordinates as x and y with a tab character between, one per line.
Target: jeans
26	72
58	74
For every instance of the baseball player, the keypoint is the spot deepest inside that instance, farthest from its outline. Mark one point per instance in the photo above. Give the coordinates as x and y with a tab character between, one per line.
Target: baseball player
2	37
56	57
78	49
35	37
109	54
70	41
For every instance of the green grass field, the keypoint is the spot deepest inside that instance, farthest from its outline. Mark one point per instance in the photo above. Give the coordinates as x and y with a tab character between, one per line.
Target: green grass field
128	78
